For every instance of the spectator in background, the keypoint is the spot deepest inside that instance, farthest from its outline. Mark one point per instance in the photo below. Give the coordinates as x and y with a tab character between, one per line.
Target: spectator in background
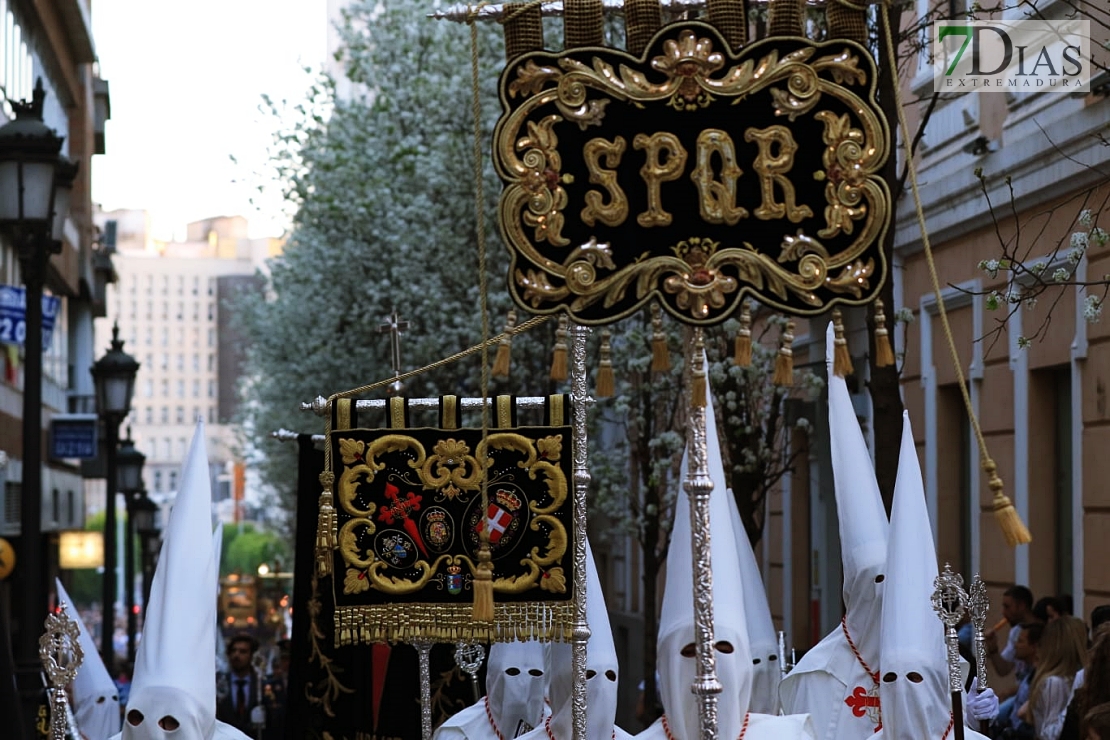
242	682
1100	615
1092	687
1060	655
1098	723
1008	724
1047	609
1017	608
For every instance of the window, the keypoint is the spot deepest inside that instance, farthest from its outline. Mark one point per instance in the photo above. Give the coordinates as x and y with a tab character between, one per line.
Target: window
180	337
211	311
182	446
211	363
180	414
165	310
181	362
196	362
181	285
196	285
149	415
165	414
149	335
158	481
196	390
211	286
211	389
196	310
134	310
197	414
181	389
153	449
173	480
169	448
211	337
148	388
196	337
165	360
165	388
211	414
165	337
180	311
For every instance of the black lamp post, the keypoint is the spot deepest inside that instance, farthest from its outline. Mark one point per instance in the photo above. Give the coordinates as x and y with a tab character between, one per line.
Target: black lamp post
149	527
35	184
114	376
129	470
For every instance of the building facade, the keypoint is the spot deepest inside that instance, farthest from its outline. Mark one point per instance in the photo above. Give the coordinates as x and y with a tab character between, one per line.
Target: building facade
173	304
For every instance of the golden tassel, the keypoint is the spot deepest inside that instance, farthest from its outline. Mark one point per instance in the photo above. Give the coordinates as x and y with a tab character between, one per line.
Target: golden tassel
559	356
698	395
325	526
501	363
605	381
1013	529
884	355
784	362
743	356
842	359
483	583
660	356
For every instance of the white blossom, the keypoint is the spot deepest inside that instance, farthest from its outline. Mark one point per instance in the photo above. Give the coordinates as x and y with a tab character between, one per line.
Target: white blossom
1060	274
1092	309
1085	219
990	267
904	315
1099	236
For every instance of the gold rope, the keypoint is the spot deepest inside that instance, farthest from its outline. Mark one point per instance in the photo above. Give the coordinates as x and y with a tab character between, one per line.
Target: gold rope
1013	528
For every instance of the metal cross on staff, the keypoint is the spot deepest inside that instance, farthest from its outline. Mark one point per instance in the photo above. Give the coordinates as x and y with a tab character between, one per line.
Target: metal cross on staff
950	602
394	326
469	657
977	607
61	655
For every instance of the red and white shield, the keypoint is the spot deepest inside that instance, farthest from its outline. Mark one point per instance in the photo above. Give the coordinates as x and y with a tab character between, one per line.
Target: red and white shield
499	520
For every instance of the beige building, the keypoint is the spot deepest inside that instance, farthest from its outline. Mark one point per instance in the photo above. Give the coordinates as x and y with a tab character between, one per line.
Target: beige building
172	305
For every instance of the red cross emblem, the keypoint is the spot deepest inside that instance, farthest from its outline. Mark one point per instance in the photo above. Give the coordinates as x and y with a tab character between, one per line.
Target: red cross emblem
866	703
499	520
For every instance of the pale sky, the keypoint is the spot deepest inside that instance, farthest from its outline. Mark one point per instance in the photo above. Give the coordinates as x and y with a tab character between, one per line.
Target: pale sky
186	84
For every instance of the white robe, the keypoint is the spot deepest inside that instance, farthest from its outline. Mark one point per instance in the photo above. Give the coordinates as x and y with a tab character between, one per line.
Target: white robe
223	732
760	727
472	723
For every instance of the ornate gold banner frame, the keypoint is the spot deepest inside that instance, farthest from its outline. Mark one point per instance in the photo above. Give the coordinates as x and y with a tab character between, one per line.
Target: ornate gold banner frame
693	175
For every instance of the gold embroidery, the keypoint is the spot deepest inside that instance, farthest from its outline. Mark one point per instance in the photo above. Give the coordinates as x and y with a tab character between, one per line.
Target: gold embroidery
717	198
772	169
656	171
616	210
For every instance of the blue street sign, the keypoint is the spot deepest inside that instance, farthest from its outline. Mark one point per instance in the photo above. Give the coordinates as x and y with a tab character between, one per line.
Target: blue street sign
73	436
13	316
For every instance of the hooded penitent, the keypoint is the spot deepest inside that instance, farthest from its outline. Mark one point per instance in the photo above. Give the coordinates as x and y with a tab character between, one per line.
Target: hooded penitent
836	680
761	627
516	681
732	651
173	692
94	695
916	701
602	673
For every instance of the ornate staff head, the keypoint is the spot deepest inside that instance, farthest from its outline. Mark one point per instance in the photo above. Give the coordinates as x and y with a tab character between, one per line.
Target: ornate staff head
950	602
977	607
61	655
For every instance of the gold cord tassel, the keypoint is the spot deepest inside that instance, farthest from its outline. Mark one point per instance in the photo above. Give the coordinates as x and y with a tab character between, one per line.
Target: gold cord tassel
501	362
884	355
842	359
605	381
660	356
559	356
743	356
1013	529
483	582
698	395
784	362
325	526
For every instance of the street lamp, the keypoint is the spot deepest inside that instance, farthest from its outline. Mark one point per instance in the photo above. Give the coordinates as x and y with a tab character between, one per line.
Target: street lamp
129	474
35	182
114	377
149	527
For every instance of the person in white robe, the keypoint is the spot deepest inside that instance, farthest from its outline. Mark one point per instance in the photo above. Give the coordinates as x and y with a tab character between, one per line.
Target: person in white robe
516	683
93	695
173	690
914	686
602	675
732	649
837	680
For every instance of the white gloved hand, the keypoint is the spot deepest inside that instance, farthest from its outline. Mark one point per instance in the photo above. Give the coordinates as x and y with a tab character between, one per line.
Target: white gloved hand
981	705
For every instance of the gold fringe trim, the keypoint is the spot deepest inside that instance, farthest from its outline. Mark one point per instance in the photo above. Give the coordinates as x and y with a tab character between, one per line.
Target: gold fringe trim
730	18
501	363
743	354
582	23
784	362
606	383
786	18
1013	529
660	355
523	29
884	355
559	355
362	625
842	359
846	22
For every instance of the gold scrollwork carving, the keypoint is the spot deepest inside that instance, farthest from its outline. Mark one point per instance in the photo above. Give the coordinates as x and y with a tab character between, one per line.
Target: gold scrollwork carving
690	69
451	467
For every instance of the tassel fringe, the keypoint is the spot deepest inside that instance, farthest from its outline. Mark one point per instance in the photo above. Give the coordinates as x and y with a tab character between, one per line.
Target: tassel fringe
1013	529
483	586
501	363
325	527
660	355
606	384
559	356
842	359
784	362
743	355
884	354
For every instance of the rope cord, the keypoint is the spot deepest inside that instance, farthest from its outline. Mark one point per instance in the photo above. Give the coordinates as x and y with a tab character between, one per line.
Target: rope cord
988	464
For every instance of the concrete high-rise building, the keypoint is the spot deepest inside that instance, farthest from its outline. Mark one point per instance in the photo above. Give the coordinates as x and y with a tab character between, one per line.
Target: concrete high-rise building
173	303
